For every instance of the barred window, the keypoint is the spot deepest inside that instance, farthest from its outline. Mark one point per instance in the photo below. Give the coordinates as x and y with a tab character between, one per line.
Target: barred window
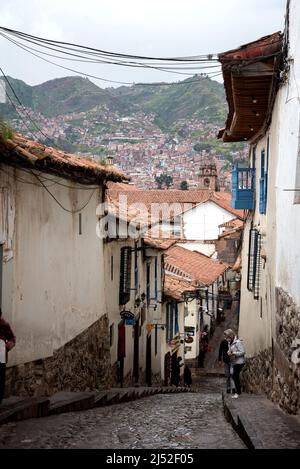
125	275
254	262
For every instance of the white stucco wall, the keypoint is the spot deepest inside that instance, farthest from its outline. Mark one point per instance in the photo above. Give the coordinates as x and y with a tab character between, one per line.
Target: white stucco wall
53	286
206	249
281	224
151	316
288	213
202	222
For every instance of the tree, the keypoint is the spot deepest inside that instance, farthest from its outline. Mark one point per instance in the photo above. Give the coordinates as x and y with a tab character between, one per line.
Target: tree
168	181
159	182
202	146
184	186
163	179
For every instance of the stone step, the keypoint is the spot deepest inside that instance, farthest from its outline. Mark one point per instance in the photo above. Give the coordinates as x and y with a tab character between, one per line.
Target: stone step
138	392
71	402
123	393
100	398
20	408
113	397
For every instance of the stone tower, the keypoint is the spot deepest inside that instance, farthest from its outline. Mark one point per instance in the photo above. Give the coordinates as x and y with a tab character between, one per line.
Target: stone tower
208	177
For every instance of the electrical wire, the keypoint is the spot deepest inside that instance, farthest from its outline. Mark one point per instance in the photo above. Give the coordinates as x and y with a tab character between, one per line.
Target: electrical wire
115	62
96	77
197	58
57	201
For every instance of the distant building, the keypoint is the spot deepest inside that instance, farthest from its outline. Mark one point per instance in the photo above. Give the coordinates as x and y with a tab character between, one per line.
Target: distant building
208	177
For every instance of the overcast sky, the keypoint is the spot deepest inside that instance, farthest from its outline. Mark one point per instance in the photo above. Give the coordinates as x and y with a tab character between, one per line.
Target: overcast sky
139	27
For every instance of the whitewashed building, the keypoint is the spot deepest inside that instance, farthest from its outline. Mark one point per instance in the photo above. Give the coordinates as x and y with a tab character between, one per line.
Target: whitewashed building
52	268
267	114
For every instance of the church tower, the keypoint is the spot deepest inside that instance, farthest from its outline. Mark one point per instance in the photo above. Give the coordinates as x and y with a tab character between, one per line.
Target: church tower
208	177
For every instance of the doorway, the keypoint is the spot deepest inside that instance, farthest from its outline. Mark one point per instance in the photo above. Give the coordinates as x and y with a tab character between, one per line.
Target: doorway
136	365
121	352
148	361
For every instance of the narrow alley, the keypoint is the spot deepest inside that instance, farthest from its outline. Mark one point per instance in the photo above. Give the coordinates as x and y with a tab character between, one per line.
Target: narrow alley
192	420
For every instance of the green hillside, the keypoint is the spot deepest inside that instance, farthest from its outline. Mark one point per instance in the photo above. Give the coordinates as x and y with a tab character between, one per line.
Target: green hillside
197	97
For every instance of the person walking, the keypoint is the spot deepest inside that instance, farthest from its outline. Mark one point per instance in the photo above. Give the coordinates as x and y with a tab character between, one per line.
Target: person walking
225	359
203	348
236	353
187	376
178	365
7	342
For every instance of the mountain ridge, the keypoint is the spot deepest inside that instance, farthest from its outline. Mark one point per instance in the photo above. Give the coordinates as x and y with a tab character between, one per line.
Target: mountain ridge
198	97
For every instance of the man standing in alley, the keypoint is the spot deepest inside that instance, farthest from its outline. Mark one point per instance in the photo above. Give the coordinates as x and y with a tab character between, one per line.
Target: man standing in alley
225	359
7	342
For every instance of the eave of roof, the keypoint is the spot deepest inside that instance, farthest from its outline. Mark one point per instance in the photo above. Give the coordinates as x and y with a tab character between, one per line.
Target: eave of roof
250	85
174	287
193	266
21	152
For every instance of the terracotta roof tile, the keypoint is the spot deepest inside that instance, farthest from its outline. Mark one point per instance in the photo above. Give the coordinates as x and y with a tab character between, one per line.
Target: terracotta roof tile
159	243
193	266
174	287
25	153
182	200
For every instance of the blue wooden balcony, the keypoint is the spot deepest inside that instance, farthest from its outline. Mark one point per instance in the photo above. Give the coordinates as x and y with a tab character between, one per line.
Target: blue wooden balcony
243	188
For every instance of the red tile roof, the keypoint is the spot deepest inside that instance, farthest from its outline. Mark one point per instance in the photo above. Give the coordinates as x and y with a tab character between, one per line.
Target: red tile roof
235	223
193	266
174	287
182	200
159	243
25	153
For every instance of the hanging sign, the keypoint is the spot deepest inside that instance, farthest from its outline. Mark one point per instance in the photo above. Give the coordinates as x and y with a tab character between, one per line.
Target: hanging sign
127	314
130	322
189	339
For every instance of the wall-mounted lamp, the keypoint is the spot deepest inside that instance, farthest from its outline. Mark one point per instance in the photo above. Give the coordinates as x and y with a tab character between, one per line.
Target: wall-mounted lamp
137	302
158	325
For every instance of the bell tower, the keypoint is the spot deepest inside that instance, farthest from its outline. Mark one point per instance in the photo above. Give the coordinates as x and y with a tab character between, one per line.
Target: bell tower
208	177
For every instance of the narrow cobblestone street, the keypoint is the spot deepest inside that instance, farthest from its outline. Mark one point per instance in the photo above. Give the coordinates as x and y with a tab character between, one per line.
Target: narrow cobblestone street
167	421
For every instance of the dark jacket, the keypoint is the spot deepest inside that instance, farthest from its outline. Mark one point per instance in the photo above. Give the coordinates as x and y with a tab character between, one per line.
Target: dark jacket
187	376
224	347
7	335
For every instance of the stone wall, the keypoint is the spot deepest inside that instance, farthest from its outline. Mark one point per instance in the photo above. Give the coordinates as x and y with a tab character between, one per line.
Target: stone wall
276	371
80	365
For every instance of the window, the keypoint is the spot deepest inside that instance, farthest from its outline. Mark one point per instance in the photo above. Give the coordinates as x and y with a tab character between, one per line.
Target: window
125	275
254	263
176	319
111	268
80	223
111	335
168	322
155	340
136	270
263	182
155	279
148	272
243	188
171	321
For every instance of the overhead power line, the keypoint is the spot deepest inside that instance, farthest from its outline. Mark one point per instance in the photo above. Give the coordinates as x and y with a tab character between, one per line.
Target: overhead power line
192	59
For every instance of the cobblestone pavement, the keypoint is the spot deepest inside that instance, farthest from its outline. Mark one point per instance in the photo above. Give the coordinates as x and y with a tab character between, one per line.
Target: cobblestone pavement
167	421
